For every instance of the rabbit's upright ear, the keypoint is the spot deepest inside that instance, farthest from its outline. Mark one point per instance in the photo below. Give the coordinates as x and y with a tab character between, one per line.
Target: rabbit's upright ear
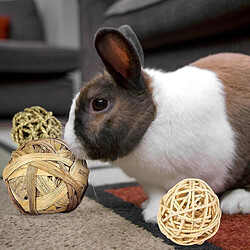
127	31
120	58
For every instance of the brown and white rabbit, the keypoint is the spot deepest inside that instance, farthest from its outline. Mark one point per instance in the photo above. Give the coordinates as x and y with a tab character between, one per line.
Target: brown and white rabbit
164	127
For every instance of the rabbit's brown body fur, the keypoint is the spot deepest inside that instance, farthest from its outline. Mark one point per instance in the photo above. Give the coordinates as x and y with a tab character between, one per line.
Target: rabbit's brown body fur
234	72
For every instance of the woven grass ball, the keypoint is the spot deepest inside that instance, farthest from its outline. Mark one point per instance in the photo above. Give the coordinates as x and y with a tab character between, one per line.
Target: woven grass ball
34	123
44	177
189	213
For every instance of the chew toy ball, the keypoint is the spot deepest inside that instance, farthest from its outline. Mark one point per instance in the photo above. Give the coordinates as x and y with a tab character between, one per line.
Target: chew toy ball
34	123
189	213
44	177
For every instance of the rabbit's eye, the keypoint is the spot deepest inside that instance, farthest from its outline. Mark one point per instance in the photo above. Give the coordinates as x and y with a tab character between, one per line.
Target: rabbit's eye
99	104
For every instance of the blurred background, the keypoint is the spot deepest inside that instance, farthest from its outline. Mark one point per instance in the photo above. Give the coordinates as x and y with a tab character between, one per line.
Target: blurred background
47	53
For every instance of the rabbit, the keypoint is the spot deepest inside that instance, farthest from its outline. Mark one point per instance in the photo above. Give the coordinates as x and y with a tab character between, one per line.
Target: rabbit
162	127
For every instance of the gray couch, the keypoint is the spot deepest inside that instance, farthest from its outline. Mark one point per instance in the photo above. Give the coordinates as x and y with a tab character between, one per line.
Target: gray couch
32	72
173	33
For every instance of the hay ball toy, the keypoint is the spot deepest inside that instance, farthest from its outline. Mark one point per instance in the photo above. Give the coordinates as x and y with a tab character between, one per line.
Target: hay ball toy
44	177
34	123
189	213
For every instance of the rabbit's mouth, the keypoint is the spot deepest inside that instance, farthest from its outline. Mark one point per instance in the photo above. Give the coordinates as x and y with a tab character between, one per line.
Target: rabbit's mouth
77	149
74	144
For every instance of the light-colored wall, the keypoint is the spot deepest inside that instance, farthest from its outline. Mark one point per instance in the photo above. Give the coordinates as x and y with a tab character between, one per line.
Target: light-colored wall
61	21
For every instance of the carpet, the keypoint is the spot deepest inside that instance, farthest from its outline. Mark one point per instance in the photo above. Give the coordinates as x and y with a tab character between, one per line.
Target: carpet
90	226
109	217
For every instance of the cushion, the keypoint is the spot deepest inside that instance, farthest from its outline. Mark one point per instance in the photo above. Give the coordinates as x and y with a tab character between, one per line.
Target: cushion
25	20
4	27
36	57
125	6
167	22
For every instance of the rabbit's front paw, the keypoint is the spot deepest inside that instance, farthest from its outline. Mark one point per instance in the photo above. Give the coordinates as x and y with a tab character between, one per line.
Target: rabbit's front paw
150	210
236	201
151	206
144	204
149	215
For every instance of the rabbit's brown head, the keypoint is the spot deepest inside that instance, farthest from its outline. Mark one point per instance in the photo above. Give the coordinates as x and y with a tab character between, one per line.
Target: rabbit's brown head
114	110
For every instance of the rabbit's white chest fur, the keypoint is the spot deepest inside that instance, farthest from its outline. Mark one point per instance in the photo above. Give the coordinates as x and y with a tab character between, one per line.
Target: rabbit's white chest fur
190	136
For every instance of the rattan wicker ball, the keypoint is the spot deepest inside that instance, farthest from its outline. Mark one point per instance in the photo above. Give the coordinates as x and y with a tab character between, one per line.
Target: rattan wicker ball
44	177
189	213
34	123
